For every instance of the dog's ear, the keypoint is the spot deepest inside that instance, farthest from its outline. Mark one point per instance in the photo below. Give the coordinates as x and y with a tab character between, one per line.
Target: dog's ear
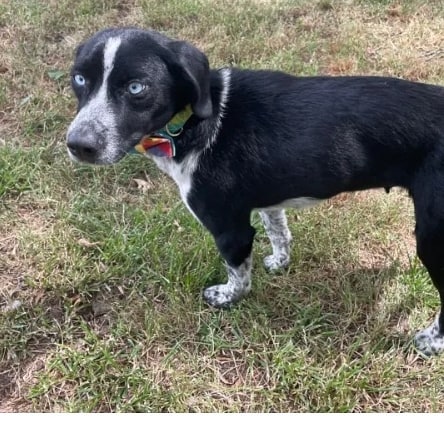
194	70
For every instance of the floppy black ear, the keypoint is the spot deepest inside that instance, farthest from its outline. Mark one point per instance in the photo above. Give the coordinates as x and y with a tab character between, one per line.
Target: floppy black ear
194	69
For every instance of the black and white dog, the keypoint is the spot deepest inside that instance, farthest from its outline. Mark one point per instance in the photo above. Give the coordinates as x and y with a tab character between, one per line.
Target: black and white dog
261	140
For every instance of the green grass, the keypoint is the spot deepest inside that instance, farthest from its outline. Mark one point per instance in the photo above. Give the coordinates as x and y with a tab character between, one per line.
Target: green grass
100	281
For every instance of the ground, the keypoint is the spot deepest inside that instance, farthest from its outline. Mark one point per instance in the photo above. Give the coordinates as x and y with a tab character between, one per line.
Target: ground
101	269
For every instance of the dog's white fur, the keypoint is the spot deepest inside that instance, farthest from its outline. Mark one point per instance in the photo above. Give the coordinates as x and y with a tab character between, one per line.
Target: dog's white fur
225	76
238	285
429	341
275	223
181	173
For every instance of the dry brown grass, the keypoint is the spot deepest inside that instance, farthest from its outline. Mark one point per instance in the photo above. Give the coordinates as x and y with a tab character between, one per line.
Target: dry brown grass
399	41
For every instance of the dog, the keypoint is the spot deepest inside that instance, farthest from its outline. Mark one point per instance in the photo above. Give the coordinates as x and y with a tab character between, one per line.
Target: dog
237	140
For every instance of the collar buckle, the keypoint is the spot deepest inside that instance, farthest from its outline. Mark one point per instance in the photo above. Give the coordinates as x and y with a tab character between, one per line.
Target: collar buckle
161	143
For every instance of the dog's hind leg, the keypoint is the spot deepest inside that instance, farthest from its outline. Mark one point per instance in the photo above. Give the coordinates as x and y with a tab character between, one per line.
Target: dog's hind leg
275	223
428	196
430	341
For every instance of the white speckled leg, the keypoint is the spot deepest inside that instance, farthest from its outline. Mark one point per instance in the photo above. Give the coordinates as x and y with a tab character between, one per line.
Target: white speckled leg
239	284
275	223
429	341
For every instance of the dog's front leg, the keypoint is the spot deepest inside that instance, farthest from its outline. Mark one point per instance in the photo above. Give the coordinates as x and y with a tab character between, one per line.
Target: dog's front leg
235	246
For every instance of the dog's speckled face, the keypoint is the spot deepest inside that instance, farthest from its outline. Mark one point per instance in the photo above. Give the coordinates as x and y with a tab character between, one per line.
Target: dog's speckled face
129	83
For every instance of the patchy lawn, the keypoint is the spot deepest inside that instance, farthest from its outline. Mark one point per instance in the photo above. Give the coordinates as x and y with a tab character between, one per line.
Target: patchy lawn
100	277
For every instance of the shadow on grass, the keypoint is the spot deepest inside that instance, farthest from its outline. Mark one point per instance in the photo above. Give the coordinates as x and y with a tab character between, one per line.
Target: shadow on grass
355	309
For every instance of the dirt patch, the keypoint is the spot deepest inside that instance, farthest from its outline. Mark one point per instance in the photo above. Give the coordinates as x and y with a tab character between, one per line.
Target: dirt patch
14	385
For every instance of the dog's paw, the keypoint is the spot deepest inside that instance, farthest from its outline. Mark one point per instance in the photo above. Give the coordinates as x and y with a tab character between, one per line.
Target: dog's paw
221	296
429	342
276	263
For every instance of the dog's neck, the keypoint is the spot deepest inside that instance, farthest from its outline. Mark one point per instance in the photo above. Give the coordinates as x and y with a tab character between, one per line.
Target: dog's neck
184	131
189	144
197	130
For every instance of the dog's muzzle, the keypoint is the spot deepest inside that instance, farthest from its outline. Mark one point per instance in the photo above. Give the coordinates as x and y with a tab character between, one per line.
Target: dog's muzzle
85	144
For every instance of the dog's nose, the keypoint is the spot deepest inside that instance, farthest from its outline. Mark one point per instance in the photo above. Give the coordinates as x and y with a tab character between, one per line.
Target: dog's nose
82	146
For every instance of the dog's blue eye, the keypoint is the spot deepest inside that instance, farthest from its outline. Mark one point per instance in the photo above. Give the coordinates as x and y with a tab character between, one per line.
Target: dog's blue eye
79	80
135	88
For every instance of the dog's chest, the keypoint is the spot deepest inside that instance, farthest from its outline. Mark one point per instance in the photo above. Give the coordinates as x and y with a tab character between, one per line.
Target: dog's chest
181	173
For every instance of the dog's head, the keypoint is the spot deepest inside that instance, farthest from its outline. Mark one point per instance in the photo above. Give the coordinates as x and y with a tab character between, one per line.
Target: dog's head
129	83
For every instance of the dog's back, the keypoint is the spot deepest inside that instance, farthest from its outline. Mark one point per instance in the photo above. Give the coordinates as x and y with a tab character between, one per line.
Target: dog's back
318	136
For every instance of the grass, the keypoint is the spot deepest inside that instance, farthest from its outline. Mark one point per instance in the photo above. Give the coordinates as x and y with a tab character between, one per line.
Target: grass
100	275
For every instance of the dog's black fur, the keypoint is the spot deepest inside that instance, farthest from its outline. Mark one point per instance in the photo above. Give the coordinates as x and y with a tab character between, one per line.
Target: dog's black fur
272	138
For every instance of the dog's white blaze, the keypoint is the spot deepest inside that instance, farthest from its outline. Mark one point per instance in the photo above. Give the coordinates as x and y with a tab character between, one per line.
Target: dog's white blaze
98	112
109	55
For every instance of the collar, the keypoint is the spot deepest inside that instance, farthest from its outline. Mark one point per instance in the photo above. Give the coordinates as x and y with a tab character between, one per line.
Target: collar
161	143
